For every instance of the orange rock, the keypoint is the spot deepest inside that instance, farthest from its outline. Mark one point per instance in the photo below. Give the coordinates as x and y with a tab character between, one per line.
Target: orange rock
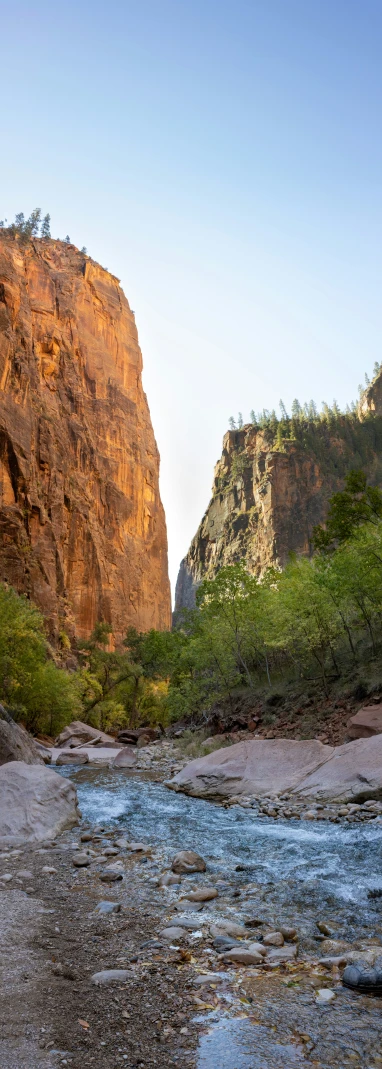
367	722
82	527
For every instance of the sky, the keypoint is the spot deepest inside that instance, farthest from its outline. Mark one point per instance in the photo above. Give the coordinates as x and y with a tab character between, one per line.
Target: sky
223	159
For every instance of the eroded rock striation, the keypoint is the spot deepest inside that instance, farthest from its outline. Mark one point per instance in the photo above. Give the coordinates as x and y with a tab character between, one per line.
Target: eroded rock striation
268	495
82	528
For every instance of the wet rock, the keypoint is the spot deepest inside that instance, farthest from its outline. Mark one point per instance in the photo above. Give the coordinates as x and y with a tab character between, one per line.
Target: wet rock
187	861
110	976
203	894
173	933
244	956
86	837
169	879
111	875
362	977
122	843
137	848
273	939
108	907
111	851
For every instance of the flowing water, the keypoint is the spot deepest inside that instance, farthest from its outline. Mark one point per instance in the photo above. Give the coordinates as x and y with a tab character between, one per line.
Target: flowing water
279	872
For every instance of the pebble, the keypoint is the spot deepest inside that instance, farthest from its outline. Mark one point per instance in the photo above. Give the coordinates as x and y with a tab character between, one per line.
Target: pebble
325	995
48	870
244	956
169	880
111	851
111	876
280	954
229	928
273	939
288	933
122	843
108	907
190	923
110	976
6	877
86	837
203	894
258	948
173	933
136	848
186	861
79	860
189	907
24	874
209	978
324	929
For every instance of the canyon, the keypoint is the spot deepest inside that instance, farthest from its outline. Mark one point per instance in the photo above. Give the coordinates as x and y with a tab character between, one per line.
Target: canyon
82	527
268	493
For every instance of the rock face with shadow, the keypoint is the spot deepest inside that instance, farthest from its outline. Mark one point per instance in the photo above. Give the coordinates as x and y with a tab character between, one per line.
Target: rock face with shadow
82	527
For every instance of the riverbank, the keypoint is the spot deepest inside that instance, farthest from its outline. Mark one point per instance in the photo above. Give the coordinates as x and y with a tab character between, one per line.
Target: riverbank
269	876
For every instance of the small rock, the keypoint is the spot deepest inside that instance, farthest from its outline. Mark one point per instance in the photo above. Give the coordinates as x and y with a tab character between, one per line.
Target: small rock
172	934
111	875
208	978
111	851
80	860
187	861
137	848
309	815
108	907
280	954
244	957
72	757
48	870
24	874
258	948
110	976
190	923
228	928
323	928
189	907
122	843
336	960
86	837
224	942
203	894
6	877
169	880
325	995
288	933
273	939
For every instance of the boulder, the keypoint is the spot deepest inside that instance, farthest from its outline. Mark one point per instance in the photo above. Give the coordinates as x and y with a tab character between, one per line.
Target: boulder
271	767
365	723
125	758
79	732
72	757
15	743
187	861
35	804
141	736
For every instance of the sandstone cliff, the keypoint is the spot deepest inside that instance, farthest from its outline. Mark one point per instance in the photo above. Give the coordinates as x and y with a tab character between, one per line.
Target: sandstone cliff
82	528
268	493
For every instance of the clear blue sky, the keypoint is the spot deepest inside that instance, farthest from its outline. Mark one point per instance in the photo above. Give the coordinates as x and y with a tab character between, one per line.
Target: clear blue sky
224	160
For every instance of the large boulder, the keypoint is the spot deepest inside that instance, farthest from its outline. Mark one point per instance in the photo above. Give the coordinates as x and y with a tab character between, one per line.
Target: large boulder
365	723
270	767
125	758
15	743
35	804
77	732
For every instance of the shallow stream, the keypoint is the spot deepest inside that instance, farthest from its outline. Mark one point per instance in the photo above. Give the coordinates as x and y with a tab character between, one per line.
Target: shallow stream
280	872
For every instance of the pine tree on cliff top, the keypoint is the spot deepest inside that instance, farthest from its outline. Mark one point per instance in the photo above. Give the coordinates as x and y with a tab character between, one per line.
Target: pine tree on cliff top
45	227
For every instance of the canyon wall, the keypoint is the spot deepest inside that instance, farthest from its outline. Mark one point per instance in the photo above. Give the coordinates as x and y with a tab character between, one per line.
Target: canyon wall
268	494
82	527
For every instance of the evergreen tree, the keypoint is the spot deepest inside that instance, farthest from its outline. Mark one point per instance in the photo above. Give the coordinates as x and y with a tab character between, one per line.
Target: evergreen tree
84	250
376	369
31	227
240	421
252	416
284	414
45	227
67	239
296	409
231	423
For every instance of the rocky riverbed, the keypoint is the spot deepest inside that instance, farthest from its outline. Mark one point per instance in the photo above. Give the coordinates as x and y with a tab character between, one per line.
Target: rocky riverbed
223	967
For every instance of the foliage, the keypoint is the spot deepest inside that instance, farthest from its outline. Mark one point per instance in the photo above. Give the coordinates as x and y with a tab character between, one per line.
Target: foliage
44	695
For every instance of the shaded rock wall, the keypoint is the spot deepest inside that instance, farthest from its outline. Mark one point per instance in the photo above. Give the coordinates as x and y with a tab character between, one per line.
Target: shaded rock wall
82	527
266	498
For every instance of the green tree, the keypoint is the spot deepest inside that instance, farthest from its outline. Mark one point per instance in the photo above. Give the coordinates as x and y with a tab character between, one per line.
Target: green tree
45	227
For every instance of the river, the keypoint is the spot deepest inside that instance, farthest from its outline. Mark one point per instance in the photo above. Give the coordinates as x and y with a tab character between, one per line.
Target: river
280	872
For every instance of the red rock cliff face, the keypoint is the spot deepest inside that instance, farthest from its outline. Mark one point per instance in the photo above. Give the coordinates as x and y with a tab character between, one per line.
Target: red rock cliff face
82	527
